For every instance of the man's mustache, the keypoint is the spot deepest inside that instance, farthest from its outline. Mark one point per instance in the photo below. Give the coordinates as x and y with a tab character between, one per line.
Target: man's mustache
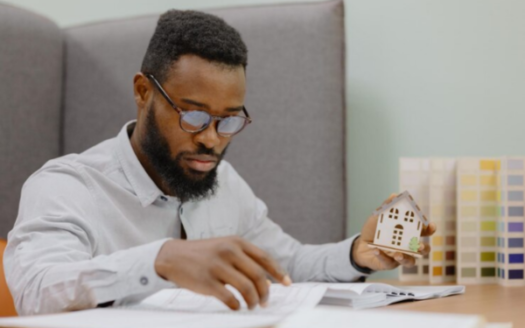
202	150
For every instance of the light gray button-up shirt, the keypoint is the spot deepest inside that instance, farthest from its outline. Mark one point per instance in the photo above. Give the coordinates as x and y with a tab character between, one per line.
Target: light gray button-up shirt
90	226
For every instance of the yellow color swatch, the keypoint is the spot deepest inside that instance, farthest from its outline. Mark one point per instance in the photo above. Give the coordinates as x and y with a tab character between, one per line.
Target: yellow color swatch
468	196
437	271
489	211
488	226
468	211
437	241
489	195
437	256
488	180
488	256
468	180
489	165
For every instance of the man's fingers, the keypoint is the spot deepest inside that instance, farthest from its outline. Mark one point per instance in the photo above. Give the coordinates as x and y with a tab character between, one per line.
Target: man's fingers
424	249
429	230
220	292
268	263
386	261
404	260
256	274
230	276
389	199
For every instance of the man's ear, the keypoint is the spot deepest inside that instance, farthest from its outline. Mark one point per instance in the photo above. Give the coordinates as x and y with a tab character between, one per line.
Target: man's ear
142	90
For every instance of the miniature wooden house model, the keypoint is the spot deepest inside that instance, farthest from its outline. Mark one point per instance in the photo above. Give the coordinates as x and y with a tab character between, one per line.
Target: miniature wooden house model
399	225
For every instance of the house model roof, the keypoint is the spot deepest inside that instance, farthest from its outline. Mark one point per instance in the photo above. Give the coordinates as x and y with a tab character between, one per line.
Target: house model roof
403	196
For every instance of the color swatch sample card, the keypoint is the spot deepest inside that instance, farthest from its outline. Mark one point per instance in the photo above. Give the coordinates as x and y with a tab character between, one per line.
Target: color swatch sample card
477	217
443	214
510	233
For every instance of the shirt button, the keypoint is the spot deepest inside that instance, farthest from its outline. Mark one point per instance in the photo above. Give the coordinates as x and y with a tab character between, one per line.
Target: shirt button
164	198
144	281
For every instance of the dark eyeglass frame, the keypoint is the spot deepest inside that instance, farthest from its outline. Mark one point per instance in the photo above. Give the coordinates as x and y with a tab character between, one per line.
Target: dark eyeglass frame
247	119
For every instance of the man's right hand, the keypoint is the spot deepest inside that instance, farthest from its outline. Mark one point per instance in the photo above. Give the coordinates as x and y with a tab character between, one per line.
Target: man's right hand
206	266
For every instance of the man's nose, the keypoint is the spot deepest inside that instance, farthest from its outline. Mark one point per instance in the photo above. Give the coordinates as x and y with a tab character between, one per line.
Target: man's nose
209	137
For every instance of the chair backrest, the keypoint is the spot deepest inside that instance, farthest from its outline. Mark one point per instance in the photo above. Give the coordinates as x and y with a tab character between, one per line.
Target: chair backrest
7	306
292	155
30	98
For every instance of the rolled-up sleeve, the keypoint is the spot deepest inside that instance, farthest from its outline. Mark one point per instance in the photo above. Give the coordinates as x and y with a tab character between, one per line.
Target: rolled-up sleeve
49	261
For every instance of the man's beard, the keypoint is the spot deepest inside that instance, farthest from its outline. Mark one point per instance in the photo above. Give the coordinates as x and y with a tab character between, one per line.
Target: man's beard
187	186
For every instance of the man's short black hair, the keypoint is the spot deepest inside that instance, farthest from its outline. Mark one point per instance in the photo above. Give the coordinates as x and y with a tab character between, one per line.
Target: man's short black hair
191	32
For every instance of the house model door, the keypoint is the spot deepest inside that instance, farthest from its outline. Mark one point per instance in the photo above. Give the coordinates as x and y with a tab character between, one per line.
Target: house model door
397	236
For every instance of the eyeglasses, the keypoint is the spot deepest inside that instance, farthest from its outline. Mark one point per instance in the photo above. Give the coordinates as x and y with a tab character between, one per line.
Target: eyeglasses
197	120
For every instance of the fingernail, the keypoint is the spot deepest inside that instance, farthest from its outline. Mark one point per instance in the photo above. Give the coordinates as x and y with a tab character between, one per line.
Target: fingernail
264	304
399	258
287	281
268	282
376	252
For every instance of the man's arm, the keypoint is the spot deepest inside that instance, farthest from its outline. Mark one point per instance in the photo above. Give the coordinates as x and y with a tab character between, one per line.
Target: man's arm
49	263
327	262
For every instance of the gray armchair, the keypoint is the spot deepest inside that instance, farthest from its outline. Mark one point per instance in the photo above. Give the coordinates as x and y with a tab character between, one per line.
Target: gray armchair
64	90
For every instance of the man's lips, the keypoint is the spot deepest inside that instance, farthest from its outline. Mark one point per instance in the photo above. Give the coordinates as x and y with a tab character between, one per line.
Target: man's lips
202	163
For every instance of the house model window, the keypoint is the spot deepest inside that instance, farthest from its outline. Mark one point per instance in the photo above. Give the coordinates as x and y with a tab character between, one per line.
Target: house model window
402	230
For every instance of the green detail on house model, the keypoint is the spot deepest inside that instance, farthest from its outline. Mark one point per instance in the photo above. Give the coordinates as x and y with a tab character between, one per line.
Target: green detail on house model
414	244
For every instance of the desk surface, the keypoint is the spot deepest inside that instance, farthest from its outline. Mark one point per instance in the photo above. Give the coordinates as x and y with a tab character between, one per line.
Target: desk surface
496	303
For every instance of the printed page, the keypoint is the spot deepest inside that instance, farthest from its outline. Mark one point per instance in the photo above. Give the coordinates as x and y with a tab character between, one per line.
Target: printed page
125	318
182	308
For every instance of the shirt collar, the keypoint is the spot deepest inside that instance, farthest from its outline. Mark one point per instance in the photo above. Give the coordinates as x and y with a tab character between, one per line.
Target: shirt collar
145	189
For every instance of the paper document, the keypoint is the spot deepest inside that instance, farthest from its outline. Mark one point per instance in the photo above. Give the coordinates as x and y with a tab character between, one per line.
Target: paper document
337	317
282	301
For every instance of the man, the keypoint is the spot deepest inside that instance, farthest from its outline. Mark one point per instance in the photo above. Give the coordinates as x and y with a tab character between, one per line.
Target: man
157	207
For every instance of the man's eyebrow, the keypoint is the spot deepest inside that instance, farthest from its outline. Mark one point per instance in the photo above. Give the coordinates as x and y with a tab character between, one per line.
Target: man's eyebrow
198	104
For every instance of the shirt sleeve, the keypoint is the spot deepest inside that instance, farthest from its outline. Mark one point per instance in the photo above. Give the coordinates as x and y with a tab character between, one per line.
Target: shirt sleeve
49	262
323	263
327	262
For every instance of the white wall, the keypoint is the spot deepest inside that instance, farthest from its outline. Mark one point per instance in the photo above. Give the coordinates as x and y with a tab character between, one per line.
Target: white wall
424	78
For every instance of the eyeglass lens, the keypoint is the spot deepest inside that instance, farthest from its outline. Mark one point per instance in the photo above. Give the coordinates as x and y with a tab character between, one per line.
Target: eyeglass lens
198	120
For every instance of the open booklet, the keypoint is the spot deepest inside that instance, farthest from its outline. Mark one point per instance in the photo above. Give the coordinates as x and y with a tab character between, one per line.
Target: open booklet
371	295
284	300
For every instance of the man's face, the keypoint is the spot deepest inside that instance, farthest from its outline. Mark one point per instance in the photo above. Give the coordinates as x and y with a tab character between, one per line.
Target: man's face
187	162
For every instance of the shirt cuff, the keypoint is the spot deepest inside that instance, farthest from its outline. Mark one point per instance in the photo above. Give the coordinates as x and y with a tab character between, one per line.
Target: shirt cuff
136	276
363	270
340	266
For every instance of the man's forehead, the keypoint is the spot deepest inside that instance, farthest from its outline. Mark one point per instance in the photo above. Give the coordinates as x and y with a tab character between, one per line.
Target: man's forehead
188	66
194	75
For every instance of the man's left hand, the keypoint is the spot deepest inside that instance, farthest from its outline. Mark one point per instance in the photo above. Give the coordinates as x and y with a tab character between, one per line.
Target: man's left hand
376	259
